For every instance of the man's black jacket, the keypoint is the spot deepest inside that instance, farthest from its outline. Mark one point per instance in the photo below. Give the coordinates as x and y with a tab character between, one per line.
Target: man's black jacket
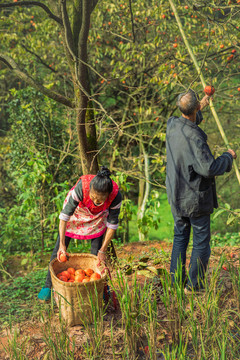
191	168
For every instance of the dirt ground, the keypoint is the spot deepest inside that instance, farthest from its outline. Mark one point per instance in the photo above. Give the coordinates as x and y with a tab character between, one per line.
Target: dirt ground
33	330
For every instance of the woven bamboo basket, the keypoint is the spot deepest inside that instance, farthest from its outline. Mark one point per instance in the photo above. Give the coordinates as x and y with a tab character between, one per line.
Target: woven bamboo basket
76	301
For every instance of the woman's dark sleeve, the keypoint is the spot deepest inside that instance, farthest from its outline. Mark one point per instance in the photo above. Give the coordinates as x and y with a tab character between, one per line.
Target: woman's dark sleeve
114	210
73	201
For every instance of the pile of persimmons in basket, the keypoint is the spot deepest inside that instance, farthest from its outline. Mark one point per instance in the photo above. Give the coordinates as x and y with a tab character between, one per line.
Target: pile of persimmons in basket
79	275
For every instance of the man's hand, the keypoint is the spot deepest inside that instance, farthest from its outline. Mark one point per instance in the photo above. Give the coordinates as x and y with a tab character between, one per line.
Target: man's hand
204	102
232	152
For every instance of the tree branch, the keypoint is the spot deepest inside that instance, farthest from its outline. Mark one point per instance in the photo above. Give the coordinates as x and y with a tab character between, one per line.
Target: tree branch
132	21
46	65
67	29
83	36
34	3
76	21
93	5
29	80
82	45
39	58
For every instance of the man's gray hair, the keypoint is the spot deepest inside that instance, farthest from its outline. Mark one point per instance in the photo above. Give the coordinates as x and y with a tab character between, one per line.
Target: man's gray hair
188	102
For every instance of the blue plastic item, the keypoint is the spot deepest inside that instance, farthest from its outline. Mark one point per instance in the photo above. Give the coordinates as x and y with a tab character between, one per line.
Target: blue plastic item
44	294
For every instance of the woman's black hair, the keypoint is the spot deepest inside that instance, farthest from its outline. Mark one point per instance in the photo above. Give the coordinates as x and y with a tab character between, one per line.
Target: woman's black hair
102	183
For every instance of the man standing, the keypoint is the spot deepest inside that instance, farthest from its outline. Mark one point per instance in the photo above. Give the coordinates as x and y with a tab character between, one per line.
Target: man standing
191	188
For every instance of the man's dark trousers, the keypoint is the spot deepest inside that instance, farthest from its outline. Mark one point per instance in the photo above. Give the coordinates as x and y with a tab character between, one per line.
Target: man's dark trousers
200	252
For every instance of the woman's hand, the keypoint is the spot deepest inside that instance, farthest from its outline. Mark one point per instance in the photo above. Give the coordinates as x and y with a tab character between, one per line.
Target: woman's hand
101	257
62	250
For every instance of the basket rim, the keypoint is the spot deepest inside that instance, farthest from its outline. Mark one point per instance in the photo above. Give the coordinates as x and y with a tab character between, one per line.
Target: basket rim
83	255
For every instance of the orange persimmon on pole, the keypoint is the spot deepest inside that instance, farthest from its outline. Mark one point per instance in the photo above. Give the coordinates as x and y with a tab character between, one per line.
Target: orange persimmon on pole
215	115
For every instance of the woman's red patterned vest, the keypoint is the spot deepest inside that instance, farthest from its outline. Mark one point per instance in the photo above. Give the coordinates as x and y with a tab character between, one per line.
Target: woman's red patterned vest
89	221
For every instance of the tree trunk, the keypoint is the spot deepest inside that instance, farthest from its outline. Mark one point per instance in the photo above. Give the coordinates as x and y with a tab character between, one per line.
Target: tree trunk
144	187
91	138
81	131
42	217
86	131
85	115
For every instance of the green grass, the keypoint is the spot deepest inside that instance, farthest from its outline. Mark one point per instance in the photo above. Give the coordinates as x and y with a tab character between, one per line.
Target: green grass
165	230
153	317
19	297
219	229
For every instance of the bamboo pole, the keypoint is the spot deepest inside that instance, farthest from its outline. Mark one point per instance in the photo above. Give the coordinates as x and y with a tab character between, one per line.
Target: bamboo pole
215	115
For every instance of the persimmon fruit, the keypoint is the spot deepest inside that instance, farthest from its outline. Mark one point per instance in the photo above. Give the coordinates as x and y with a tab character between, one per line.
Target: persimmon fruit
66	274
89	272
95	276
79	272
79	277
63	258
209	90
71	271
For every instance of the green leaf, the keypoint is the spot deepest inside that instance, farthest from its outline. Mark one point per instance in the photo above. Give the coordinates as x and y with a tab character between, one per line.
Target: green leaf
145	273
49	86
152	269
144	259
24	261
217	213
129	271
141	264
231	219
227	206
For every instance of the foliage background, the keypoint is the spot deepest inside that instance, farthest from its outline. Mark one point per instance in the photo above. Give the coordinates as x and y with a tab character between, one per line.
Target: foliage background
138	65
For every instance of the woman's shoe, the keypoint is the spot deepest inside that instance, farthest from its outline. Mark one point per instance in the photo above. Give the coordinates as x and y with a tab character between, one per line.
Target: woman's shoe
44	294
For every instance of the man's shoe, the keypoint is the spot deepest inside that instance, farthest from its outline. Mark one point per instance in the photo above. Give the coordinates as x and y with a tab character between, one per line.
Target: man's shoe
44	295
